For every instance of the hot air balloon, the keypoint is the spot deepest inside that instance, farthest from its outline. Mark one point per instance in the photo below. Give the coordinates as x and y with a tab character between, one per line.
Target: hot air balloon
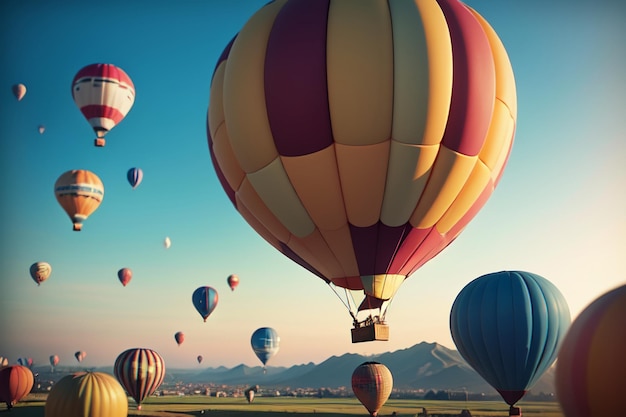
40	271
19	91
249	393
41	129
334	130
167	243
93	394
125	275
179	337
54	360
104	94
3	361
80	355
508	326
16	381
372	383
233	281
204	299
591	366
200	358
265	343
79	192
140	371
134	177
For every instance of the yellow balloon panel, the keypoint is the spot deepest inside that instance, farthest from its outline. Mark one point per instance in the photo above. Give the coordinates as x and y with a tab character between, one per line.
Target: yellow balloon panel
244	92
409	167
359	61
216	98
226	158
362	170
316	181
248	197
340	243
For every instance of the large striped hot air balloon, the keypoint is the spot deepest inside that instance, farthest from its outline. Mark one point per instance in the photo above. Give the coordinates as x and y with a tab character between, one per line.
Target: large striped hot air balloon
509	326
79	192
205	299
16	381
93	394
591	369
359	138
372	383
140	371
40	271
104	94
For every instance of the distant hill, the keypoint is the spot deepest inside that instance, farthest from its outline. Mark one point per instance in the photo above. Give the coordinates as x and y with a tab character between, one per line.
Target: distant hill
425	366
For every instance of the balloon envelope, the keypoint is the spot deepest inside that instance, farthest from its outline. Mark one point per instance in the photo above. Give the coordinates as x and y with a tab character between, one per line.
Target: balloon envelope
134	177
140	371
54	360
40	271
80	355
265	343
509	326
179	337
167	243
16	381
204	299
361	185
93	394
591	366
372	383
199	358
41	129
233	281
104	94
79	192
19	91
125	275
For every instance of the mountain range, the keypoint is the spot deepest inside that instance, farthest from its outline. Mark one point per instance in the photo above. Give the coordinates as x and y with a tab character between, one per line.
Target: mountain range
424	366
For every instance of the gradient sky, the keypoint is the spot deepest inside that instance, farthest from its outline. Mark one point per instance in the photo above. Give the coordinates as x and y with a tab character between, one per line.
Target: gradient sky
558	210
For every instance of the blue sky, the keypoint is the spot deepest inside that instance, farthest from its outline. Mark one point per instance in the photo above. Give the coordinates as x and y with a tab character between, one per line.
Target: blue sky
558	211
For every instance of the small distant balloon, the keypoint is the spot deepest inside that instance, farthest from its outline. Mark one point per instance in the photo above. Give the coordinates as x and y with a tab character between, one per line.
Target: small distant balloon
167	243
19	91
249	395
79	192
54	360
41	129
205	300
16	381
40	271
233	281
200	358
4	361
372	383
179	337
80	355
265	344
134	177
125	275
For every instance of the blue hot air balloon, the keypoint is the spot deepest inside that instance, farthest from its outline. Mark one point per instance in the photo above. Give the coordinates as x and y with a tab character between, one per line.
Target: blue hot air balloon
134	176
204	300
509	326
265	343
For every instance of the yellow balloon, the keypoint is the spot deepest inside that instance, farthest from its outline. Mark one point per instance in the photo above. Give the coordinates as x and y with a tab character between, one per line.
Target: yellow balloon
93	394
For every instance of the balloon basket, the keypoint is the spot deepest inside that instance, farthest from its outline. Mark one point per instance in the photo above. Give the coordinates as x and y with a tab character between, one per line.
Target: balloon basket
99	142
370	332
515	412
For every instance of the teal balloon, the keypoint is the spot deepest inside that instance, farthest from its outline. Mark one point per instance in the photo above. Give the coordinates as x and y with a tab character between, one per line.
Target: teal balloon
265	343
509	326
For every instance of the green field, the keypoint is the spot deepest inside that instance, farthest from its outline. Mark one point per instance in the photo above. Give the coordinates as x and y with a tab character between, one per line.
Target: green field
33	406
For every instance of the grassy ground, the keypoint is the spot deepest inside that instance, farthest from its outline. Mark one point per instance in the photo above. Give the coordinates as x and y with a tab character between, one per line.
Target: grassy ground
194	406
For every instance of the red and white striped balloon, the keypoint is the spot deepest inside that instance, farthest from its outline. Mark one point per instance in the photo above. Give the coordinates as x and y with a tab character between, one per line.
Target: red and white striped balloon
104	94
140	371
